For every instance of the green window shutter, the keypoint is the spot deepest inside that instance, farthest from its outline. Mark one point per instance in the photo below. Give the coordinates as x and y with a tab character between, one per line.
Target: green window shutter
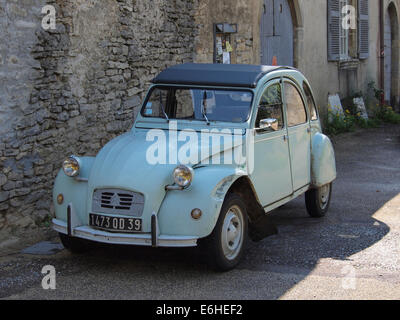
363	29
334	30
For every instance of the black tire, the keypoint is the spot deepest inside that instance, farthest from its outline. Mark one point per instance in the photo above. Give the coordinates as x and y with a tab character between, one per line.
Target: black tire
229	218
318	201
74	245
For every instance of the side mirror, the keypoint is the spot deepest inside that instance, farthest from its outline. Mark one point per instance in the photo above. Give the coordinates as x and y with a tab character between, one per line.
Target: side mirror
269	124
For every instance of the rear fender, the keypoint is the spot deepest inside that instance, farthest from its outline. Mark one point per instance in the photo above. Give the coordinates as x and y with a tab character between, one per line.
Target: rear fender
323	162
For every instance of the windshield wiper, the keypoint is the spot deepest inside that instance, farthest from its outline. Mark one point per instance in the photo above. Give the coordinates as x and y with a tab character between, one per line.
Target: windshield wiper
162	108
203	107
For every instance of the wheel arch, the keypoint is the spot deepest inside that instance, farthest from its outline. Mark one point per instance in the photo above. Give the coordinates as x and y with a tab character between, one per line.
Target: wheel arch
245	189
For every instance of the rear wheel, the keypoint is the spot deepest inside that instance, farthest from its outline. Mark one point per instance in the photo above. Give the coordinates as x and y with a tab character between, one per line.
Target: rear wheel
318	201
227	242
74	245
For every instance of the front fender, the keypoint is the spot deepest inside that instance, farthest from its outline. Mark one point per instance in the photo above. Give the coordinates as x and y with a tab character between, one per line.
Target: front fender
74	191
323	163
206	193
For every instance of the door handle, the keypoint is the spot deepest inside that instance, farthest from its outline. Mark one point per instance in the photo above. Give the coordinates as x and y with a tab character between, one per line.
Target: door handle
308	130
284	138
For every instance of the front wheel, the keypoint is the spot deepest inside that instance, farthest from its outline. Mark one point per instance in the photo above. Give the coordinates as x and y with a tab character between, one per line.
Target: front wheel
229	238
318	201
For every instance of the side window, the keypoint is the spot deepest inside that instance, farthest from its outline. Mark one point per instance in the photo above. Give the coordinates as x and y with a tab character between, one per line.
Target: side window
270	106
310	102
296	111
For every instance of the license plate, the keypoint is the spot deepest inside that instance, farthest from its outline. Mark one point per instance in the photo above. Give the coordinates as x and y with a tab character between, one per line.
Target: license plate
115	224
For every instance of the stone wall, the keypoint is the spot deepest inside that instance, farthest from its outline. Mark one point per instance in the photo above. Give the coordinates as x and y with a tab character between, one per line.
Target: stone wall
18	73
73	89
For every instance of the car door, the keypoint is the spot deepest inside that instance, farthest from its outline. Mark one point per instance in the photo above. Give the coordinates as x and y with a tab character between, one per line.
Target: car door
271	176
299	133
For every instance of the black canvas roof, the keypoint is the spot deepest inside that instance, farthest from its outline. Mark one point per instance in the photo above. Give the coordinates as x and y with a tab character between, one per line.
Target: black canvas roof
228	75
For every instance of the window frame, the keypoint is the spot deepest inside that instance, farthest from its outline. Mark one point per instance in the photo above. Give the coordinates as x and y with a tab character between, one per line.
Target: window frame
267	85
301	94
308	87
345	44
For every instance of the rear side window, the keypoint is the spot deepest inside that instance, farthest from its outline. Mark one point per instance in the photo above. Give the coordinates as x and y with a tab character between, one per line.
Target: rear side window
296	111
311	103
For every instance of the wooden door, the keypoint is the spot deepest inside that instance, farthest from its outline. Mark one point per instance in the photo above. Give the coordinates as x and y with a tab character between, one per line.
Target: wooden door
276	33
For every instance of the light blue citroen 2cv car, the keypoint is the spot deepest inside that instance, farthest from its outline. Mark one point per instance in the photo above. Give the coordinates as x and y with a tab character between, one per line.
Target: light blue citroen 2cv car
213	150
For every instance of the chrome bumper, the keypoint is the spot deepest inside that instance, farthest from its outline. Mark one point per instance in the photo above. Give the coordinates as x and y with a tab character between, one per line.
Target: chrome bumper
88	233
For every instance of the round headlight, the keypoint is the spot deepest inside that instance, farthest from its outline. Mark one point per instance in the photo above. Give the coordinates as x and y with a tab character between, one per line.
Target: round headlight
183	176
71	166
60	199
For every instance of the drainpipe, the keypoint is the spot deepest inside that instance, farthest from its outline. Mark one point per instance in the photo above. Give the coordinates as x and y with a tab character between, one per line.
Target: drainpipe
382	47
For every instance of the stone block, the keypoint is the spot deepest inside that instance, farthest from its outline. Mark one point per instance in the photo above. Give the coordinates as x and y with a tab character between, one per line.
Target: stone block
4	195
3	179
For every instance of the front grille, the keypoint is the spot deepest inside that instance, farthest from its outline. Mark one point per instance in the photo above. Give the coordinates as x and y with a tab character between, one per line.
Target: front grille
119	202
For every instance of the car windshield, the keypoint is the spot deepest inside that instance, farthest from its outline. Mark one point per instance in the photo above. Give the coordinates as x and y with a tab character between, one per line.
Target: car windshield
198	104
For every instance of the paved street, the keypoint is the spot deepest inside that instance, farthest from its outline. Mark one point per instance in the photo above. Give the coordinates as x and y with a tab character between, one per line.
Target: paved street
353	253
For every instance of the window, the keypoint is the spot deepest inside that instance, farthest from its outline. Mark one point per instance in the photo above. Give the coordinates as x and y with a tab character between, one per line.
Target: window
270	106
352	42
311	103
296	111
344	33
198	104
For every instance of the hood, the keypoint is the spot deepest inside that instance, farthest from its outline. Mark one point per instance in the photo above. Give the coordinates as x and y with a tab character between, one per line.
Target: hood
131	156
123	163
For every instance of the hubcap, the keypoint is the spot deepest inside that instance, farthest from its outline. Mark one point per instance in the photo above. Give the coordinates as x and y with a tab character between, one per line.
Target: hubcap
232	233
324	193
